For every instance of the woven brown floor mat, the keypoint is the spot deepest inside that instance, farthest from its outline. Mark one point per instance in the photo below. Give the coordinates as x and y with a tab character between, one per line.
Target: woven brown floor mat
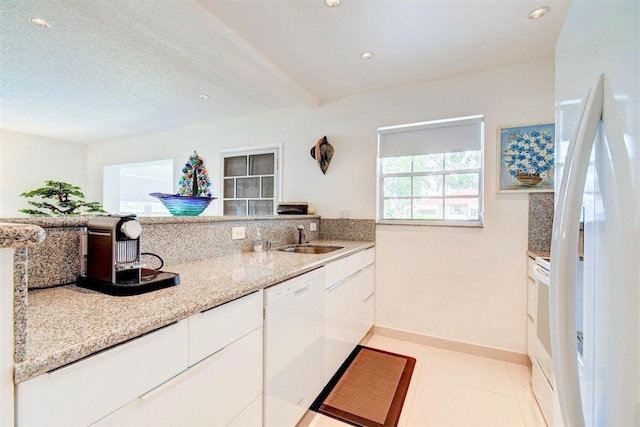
369	389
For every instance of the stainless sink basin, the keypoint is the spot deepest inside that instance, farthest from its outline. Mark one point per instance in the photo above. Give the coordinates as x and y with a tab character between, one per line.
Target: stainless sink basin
310	249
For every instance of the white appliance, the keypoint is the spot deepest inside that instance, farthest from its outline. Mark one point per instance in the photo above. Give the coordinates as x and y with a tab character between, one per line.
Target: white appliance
543	380
597	178
293	347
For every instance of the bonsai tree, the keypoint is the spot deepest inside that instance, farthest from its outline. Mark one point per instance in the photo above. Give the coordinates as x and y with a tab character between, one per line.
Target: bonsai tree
63	203
195	180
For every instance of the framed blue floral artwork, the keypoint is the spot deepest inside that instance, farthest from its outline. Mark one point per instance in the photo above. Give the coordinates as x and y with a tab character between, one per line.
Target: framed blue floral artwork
526	158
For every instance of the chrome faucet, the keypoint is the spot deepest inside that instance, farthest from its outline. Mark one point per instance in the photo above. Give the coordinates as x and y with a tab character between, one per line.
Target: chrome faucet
301	234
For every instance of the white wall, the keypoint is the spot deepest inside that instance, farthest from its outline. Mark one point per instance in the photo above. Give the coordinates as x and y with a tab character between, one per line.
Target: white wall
468	285
464	285
458	284
27	161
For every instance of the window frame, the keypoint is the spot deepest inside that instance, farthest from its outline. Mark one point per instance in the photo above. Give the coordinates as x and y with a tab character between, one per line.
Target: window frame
277	150
380	176
112	181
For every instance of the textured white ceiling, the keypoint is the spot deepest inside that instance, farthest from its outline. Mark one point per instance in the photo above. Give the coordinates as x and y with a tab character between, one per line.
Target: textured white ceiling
114	68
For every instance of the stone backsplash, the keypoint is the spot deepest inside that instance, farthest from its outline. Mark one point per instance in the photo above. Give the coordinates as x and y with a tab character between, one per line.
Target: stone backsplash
541	207
348	229
56	261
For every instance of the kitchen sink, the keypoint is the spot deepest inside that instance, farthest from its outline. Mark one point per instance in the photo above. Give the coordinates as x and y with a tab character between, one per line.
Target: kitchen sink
310	249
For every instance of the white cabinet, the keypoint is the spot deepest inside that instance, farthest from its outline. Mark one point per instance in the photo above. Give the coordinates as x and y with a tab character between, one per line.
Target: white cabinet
350	304
213	392
225	349
204	370
532	307
294	347
354	308
368	298
83	392
218	327
337	345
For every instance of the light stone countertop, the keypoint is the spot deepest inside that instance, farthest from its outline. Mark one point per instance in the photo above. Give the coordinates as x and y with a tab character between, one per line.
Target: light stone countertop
68	323
20	235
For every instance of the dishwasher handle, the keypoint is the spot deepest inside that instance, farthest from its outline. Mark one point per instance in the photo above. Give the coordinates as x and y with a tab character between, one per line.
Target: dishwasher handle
302	290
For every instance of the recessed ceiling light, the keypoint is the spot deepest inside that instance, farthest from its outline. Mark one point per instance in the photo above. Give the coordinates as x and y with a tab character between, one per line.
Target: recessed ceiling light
35	20
332	3
204	96
539	12
365	56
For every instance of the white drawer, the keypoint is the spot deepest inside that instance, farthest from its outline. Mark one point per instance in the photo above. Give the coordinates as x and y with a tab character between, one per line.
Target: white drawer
83	392
355	263
335	272
369	257
543	392
214	329
211	393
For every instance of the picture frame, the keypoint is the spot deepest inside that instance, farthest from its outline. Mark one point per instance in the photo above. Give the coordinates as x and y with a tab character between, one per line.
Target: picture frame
526	158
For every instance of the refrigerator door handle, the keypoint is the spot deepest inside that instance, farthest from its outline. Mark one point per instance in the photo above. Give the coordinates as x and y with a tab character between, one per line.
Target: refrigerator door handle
564	258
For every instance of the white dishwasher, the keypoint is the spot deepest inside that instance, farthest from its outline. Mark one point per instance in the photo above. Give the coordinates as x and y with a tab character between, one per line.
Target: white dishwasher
293	347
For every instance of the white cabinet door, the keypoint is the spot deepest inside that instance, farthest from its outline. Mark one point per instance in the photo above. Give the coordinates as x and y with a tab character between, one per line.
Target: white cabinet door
337	346
368	298
368	314
532	308
85	391
212	392
354	308
349	300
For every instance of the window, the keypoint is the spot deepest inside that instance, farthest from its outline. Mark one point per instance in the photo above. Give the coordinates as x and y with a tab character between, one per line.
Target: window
250	181
431	172
126	187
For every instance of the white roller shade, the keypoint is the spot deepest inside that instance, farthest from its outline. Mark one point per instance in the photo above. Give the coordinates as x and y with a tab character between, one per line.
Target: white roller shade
441	136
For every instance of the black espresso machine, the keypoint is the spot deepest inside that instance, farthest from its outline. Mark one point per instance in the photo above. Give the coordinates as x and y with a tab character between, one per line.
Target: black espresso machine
114	264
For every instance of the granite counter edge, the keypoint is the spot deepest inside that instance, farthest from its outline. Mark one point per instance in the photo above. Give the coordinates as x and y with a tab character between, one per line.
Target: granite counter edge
40	364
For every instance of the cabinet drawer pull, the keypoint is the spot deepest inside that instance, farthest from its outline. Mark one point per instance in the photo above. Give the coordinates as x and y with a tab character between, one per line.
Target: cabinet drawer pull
301	291
335	285
190	371
149	395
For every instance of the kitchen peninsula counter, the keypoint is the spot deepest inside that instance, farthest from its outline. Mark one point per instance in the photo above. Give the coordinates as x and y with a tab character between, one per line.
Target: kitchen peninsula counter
68	323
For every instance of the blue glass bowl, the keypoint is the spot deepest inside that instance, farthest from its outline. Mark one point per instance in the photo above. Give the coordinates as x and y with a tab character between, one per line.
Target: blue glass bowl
183	205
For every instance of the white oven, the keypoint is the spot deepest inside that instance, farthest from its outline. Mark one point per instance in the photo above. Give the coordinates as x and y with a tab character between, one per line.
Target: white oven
543	379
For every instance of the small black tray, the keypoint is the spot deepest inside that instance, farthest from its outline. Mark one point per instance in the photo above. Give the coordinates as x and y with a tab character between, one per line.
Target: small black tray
152	280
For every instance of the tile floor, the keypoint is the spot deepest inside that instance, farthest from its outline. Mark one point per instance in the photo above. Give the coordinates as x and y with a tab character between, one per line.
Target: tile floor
456	389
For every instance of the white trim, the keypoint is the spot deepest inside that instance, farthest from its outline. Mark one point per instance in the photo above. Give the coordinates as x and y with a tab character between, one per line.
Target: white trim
459	346
420	126
430	124
275	147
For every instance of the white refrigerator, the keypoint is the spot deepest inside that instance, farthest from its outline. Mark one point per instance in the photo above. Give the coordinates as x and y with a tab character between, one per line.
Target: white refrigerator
597	183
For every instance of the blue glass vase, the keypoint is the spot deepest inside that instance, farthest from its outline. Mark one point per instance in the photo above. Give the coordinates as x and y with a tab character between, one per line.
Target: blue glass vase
183	205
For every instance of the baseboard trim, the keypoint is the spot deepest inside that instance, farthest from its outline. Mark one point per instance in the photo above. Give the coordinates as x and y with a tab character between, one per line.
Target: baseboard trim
462	347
